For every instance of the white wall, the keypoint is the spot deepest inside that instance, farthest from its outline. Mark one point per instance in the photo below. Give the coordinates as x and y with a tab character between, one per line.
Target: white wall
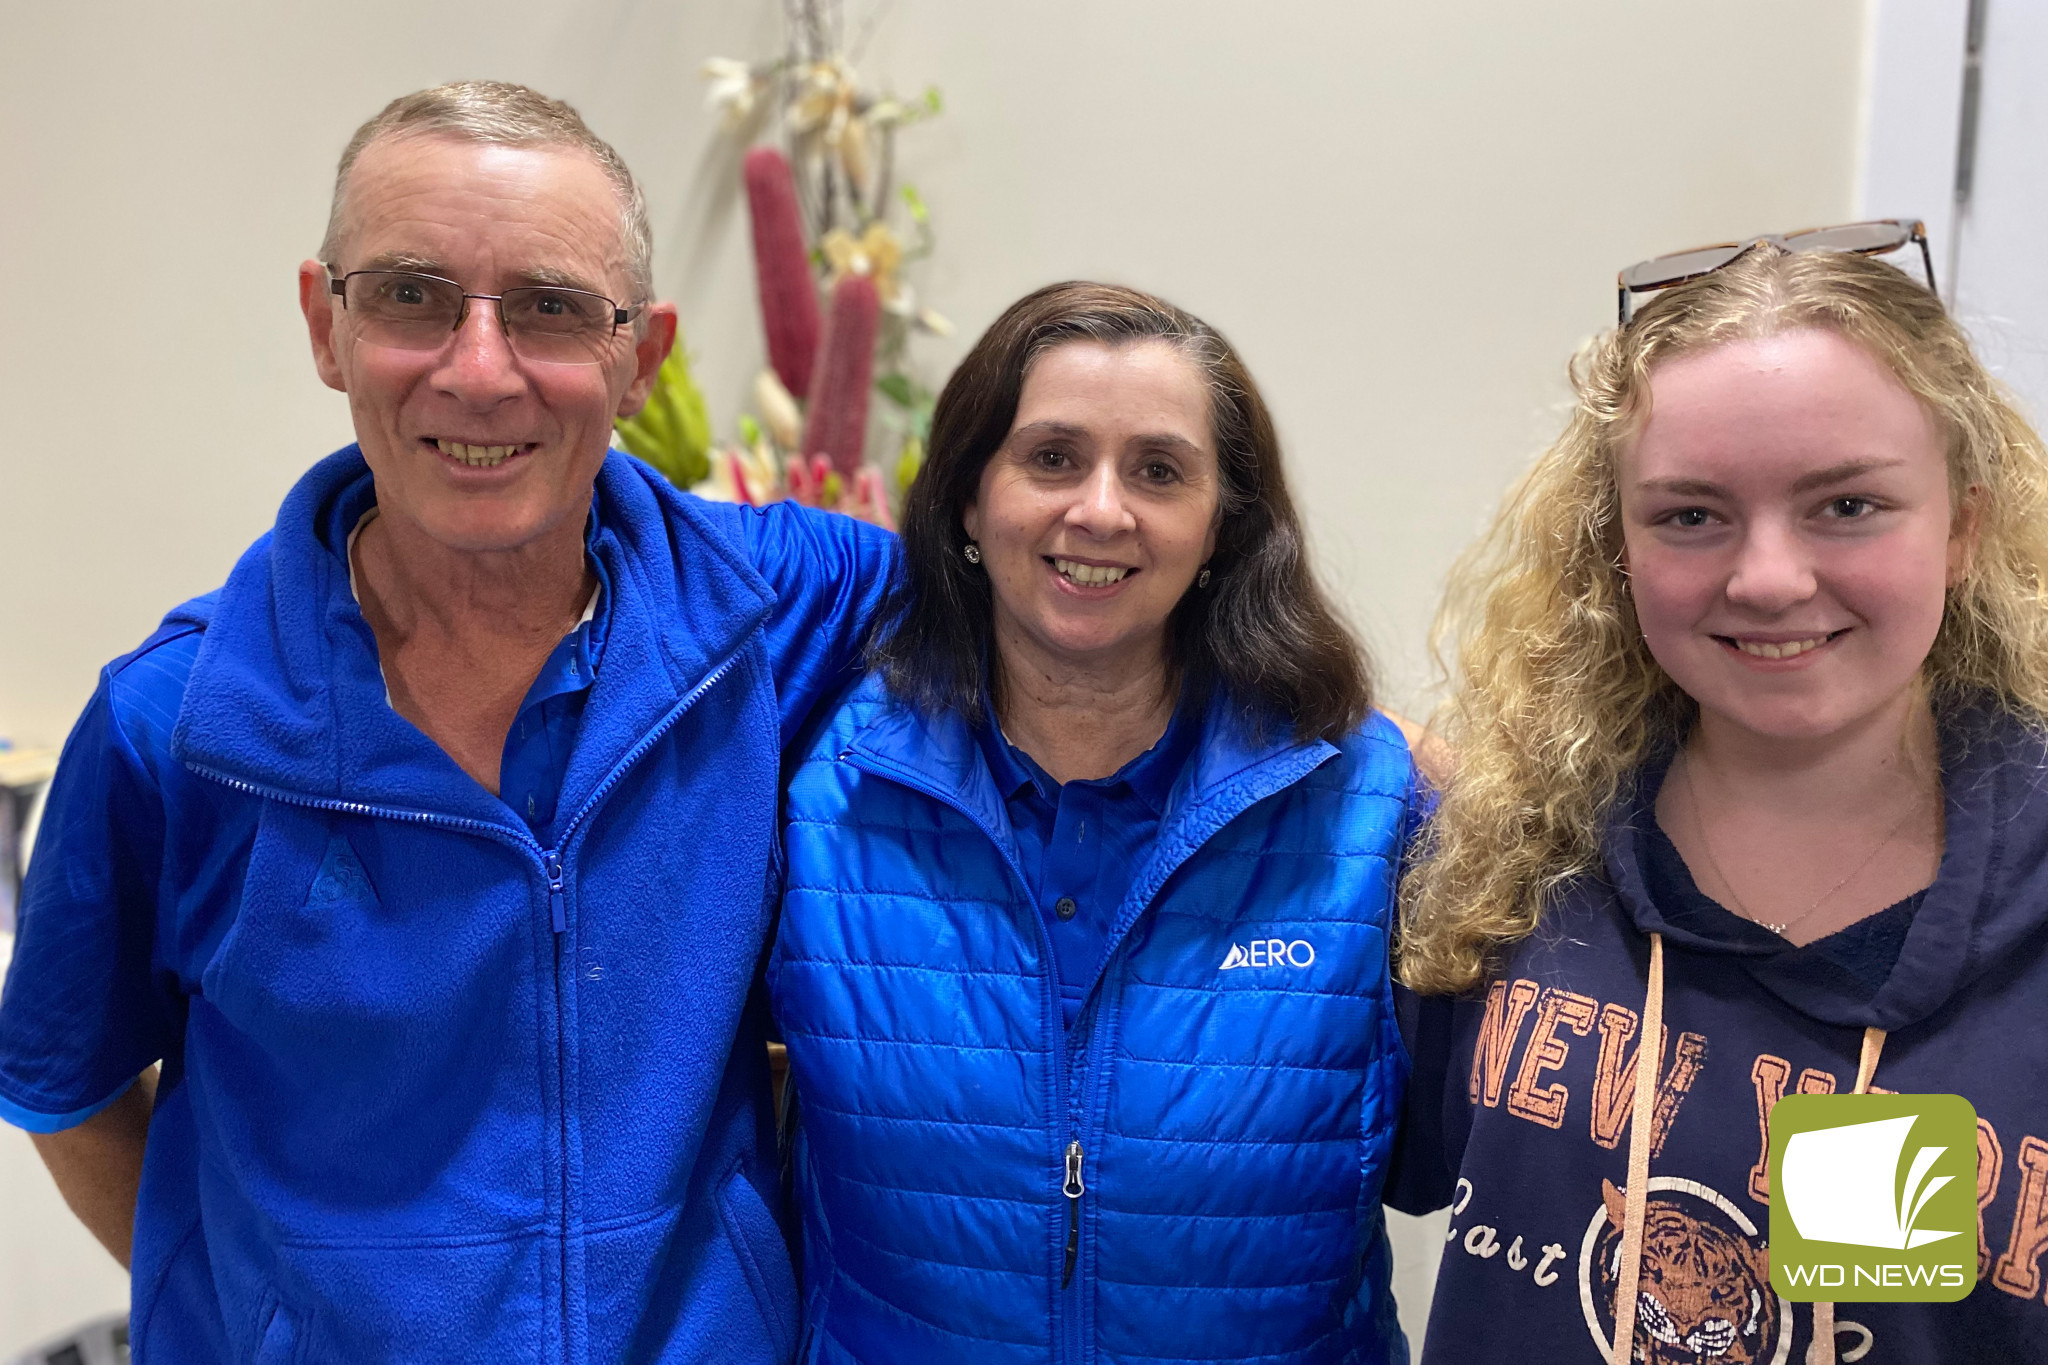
1406	216
2001	274
1988	254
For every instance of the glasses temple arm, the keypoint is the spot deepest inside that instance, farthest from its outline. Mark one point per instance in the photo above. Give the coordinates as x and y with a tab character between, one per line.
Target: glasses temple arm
1927	260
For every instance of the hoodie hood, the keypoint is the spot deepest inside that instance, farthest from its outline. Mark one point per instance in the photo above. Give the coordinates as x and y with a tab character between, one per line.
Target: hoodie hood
1989	897
286	694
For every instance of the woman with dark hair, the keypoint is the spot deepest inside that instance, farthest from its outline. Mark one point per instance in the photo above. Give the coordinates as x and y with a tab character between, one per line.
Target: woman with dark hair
1083	955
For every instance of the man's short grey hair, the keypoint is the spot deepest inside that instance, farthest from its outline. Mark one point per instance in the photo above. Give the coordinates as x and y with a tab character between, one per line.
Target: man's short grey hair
513	116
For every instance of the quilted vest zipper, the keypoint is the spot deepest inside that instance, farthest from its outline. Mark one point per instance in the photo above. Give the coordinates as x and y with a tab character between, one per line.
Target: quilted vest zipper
1074	1346
1065	1072
552	871
1073	1324
1073	1190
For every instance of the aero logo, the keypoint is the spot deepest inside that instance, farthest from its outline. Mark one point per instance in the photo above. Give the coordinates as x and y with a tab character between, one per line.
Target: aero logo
1869	1196
1270	952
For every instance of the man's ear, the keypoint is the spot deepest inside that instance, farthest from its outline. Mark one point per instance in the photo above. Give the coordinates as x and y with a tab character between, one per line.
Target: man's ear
1964	530
317	303
651	347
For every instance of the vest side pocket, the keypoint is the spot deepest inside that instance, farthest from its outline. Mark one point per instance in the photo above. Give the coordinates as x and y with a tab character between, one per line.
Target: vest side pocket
763	1254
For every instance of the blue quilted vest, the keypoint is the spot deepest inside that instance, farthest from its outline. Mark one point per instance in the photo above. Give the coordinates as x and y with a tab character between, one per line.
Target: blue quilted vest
1193	1172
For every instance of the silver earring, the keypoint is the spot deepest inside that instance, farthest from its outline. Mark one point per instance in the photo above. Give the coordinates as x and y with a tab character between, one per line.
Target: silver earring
972	554
1202	579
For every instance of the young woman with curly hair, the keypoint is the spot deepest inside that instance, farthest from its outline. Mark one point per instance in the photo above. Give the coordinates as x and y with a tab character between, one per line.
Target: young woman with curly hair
1751	697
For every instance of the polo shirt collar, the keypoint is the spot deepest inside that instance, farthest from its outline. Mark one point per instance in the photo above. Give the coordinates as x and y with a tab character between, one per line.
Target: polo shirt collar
573	665
1151	776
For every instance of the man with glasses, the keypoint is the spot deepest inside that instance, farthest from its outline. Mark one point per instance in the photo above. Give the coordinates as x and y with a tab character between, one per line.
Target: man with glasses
433	855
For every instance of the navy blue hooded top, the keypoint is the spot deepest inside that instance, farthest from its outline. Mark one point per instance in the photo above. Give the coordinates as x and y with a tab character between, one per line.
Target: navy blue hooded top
433	1091
1519	1113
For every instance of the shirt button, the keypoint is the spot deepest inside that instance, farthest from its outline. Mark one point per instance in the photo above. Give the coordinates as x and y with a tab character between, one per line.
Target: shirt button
1064	907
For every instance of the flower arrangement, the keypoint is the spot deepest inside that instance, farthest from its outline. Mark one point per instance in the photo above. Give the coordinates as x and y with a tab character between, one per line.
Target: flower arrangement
833	234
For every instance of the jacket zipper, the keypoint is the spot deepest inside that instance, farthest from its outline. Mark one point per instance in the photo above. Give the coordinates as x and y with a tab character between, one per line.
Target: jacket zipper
1073	1190
558	908
551	867
1066	1076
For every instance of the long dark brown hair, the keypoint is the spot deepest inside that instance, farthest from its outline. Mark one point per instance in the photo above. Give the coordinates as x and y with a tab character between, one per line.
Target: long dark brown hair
1262	631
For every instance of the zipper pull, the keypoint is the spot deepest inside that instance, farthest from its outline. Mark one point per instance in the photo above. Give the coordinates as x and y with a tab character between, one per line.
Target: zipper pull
558	910
1073	1190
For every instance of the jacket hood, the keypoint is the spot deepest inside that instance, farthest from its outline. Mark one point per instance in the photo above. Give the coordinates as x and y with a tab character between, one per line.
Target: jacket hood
1988	899
287	694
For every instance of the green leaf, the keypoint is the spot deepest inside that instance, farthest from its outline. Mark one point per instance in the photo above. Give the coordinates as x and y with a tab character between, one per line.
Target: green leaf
908	462
672	431
915	203
932	100
750	430
897	389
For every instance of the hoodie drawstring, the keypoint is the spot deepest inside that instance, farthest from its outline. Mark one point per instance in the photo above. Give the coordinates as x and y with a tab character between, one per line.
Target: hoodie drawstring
1635	1201
1635	1206
1866	1065
1821	1351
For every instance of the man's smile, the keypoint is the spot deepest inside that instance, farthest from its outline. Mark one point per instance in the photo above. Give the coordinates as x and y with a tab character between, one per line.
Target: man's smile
478	455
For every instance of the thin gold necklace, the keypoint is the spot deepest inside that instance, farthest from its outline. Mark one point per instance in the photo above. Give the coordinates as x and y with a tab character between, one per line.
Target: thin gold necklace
1707	844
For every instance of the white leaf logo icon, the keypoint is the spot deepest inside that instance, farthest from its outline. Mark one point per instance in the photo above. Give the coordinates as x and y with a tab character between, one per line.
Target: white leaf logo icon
1838	1185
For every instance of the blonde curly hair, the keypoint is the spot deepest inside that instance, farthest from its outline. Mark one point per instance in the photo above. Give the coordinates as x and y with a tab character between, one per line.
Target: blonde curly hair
1556	699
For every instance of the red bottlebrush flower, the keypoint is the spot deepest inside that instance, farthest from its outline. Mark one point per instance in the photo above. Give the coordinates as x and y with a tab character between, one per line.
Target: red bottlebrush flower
837	423
782	266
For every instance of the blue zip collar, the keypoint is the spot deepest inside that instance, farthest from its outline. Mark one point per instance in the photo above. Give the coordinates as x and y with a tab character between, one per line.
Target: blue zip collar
1229	770
286	695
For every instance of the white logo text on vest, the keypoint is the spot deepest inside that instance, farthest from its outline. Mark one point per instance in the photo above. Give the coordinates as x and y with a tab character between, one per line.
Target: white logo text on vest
1270	952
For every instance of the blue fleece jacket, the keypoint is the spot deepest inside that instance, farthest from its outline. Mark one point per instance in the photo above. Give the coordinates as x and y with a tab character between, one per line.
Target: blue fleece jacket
1192	1171
432	1091
1519	1114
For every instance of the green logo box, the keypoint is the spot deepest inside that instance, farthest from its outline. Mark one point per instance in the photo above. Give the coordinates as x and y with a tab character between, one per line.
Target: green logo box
1873	1198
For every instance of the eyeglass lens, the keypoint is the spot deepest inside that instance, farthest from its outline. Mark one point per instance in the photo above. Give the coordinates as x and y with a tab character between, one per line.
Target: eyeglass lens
1682	266
411	312
1858	237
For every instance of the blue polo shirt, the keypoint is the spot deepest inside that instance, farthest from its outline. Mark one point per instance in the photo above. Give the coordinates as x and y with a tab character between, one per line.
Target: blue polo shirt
1082	843
543	734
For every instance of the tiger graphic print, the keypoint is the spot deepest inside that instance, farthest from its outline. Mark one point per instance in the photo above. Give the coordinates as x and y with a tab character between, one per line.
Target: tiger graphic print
1704	1296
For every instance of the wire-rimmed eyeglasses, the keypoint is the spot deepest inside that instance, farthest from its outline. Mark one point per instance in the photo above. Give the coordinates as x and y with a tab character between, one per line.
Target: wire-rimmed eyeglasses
1874	238
410	311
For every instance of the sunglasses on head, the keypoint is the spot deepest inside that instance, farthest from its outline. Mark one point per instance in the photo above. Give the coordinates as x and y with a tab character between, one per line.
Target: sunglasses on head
1863	239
